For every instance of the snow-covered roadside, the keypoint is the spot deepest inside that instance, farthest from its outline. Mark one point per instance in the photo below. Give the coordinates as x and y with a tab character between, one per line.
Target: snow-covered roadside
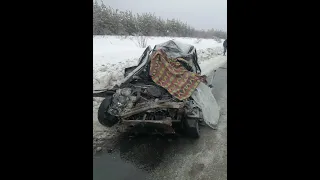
113	54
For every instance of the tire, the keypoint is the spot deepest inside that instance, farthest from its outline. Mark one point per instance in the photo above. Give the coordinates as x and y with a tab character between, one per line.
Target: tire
104	117
192	127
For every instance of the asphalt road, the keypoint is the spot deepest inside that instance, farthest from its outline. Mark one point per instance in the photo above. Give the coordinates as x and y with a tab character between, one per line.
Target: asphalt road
174	158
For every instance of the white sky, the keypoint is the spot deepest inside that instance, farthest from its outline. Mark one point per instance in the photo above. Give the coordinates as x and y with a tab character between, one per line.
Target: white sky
201	14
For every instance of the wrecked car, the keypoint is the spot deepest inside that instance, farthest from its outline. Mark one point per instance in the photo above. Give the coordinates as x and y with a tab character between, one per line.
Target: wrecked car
166	87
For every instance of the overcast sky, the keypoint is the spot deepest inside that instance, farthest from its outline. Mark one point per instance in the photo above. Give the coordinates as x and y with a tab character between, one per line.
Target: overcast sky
201	14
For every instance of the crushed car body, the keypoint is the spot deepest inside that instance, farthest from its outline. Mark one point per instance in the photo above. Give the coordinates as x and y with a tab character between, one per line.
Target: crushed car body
165	87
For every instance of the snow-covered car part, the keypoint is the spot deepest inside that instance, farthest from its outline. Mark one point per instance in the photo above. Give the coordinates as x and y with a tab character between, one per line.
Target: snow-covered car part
208	104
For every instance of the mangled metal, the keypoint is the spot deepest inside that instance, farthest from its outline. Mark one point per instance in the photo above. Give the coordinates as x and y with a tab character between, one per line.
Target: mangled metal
142	99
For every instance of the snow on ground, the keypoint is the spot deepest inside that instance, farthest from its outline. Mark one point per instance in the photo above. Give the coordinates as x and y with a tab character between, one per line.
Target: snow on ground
112	54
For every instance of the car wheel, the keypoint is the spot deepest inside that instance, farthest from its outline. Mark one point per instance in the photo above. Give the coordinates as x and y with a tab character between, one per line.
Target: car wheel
105	118
192	127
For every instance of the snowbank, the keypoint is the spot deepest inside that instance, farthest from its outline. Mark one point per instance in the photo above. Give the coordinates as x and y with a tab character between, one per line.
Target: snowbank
212	64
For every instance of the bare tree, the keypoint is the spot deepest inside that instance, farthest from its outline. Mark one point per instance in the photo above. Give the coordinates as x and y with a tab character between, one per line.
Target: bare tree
140	41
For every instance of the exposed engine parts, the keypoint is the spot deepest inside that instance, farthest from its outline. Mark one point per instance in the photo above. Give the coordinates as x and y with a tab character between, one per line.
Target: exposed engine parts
126	98
153	91
139	99
140	103
193	110
121	99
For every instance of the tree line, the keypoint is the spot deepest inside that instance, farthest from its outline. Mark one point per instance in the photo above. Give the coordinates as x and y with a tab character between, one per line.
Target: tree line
108	21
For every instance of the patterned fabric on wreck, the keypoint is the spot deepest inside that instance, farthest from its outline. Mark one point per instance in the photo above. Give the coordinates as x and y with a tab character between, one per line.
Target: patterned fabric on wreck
173	76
